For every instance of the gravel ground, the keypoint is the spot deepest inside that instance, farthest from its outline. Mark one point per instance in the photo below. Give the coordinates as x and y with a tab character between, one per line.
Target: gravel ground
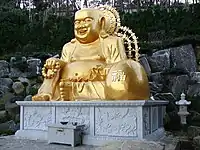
11	143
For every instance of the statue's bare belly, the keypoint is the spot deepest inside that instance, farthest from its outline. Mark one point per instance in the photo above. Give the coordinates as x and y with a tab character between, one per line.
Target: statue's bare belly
80	68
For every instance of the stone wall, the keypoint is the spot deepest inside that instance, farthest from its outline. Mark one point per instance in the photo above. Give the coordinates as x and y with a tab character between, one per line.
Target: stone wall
20	78
171	72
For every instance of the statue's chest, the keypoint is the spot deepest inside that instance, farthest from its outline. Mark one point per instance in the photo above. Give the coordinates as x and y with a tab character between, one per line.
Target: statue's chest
87	53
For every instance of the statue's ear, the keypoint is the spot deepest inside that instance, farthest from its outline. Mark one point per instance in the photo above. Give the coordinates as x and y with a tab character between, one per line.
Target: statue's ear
102	22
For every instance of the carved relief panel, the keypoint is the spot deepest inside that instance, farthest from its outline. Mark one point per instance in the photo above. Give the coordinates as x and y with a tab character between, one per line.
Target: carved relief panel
116	121
37	117
81	115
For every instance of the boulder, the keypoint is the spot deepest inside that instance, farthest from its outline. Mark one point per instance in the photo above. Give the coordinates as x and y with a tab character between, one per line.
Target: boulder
194	77
28	89
176	84
3	116
183	58
3	90
10	106
157	77
33	81
155	88
28	98
12	109
194	117
184	144
42	56
193	90
144	62
179	85
19	62
165	96
170	147
18	88
196	142
36	86
28	83
16	73
5	86
40	79
24	81
9	125
6	82
17	118
17	127
5	68
193	131
32	90
34	67
2	105
160	61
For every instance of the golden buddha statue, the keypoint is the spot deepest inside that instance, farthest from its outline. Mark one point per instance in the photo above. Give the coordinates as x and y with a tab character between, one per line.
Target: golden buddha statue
94	65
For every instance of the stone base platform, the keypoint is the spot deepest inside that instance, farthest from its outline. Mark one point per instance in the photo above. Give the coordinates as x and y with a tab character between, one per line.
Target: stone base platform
104	120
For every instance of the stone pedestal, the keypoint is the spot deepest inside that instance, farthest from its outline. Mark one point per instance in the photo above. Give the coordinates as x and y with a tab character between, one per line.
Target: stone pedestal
104	120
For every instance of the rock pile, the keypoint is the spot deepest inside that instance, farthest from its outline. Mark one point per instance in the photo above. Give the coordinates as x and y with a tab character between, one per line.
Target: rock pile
20	78
171	72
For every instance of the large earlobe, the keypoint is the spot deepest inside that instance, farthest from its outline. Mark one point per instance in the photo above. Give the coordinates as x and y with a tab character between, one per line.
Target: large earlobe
103	33
102	22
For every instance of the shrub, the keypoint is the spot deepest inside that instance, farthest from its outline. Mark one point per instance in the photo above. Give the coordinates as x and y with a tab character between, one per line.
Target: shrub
48	33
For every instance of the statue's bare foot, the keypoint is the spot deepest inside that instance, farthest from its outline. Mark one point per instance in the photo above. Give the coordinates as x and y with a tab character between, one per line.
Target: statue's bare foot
41	97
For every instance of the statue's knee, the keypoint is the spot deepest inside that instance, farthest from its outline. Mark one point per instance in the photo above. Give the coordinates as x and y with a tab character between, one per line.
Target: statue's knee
126	79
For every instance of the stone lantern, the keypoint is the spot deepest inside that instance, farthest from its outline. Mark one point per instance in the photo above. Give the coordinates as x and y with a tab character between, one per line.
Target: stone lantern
183	113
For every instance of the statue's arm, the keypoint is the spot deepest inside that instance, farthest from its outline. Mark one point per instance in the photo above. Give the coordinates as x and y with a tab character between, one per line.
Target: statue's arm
54	65
48	89
65	53
115	53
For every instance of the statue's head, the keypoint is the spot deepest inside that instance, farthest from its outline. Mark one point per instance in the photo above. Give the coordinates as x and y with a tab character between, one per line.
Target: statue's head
88	24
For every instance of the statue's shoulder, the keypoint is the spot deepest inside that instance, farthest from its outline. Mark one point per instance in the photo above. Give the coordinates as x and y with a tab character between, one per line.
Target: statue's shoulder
70	45
112	39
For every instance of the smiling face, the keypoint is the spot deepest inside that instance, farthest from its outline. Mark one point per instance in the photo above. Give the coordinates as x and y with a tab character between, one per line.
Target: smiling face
87	25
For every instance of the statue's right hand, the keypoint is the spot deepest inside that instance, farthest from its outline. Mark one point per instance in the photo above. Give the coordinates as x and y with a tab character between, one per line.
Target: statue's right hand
51	67
51	63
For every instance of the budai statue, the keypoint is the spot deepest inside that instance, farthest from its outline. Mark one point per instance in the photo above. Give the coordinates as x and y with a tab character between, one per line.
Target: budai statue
95	65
